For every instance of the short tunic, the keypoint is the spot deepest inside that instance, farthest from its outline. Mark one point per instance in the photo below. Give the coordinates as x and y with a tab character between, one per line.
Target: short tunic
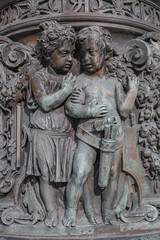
51	134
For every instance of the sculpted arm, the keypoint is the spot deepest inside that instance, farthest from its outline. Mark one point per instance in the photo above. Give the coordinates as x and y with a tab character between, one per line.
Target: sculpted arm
75	107
77	110
53	100
125	104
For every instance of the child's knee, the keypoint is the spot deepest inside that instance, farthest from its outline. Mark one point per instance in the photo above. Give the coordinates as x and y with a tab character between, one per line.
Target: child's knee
45	175
79	178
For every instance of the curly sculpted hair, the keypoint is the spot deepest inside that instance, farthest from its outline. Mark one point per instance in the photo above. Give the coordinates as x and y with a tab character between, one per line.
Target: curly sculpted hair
100	35
52	36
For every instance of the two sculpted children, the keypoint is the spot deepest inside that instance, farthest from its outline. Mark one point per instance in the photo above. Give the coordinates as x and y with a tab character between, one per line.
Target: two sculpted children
97	101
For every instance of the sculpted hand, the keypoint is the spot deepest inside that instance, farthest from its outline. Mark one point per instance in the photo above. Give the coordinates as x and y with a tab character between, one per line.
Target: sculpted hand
78	96
99	110
133	83
69	83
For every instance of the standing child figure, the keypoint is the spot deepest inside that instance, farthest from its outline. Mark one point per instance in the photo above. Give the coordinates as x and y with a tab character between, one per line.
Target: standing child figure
52	147
98	104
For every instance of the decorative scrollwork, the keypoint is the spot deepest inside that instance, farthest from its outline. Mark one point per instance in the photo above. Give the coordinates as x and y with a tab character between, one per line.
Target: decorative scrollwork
14	55
97	6
25	9
144	212
125	8
120	7
14	58
138	54
144	55
15	214
32	204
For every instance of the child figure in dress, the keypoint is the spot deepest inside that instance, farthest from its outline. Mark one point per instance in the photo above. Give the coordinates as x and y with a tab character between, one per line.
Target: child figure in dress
53	146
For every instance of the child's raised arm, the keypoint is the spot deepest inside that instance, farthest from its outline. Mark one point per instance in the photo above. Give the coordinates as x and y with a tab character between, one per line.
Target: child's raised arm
51	101
125	104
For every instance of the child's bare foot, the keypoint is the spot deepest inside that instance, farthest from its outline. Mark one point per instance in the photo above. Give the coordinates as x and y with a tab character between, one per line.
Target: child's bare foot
69	217
51	219
108	217
92	217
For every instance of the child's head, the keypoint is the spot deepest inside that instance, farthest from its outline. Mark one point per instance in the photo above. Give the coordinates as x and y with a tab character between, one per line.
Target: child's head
57	43
95	43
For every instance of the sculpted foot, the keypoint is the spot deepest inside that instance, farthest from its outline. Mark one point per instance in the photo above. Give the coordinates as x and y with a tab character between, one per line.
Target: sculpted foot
51	219
92	217
108	217
69	217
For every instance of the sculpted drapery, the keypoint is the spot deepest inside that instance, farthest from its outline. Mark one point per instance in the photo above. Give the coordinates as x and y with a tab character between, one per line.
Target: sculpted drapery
79	137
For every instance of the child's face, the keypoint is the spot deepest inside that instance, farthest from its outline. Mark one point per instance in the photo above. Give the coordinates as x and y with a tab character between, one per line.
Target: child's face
61	59
93	57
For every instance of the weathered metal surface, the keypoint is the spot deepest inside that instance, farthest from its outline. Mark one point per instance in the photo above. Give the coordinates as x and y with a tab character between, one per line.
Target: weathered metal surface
79	119
136	16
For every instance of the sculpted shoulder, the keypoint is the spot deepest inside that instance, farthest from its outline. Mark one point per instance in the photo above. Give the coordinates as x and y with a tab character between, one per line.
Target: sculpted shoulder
41	73
113	81
81	80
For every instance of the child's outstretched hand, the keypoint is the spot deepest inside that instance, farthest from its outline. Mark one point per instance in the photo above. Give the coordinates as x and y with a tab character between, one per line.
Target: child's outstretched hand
78	96
69	83
133	82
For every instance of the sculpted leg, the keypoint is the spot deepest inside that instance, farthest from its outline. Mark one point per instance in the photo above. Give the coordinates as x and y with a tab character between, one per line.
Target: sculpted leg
83	162
49	195
109	195
87	202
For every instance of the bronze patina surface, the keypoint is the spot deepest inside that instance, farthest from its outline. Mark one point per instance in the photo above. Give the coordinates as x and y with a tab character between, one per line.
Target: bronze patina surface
80	119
